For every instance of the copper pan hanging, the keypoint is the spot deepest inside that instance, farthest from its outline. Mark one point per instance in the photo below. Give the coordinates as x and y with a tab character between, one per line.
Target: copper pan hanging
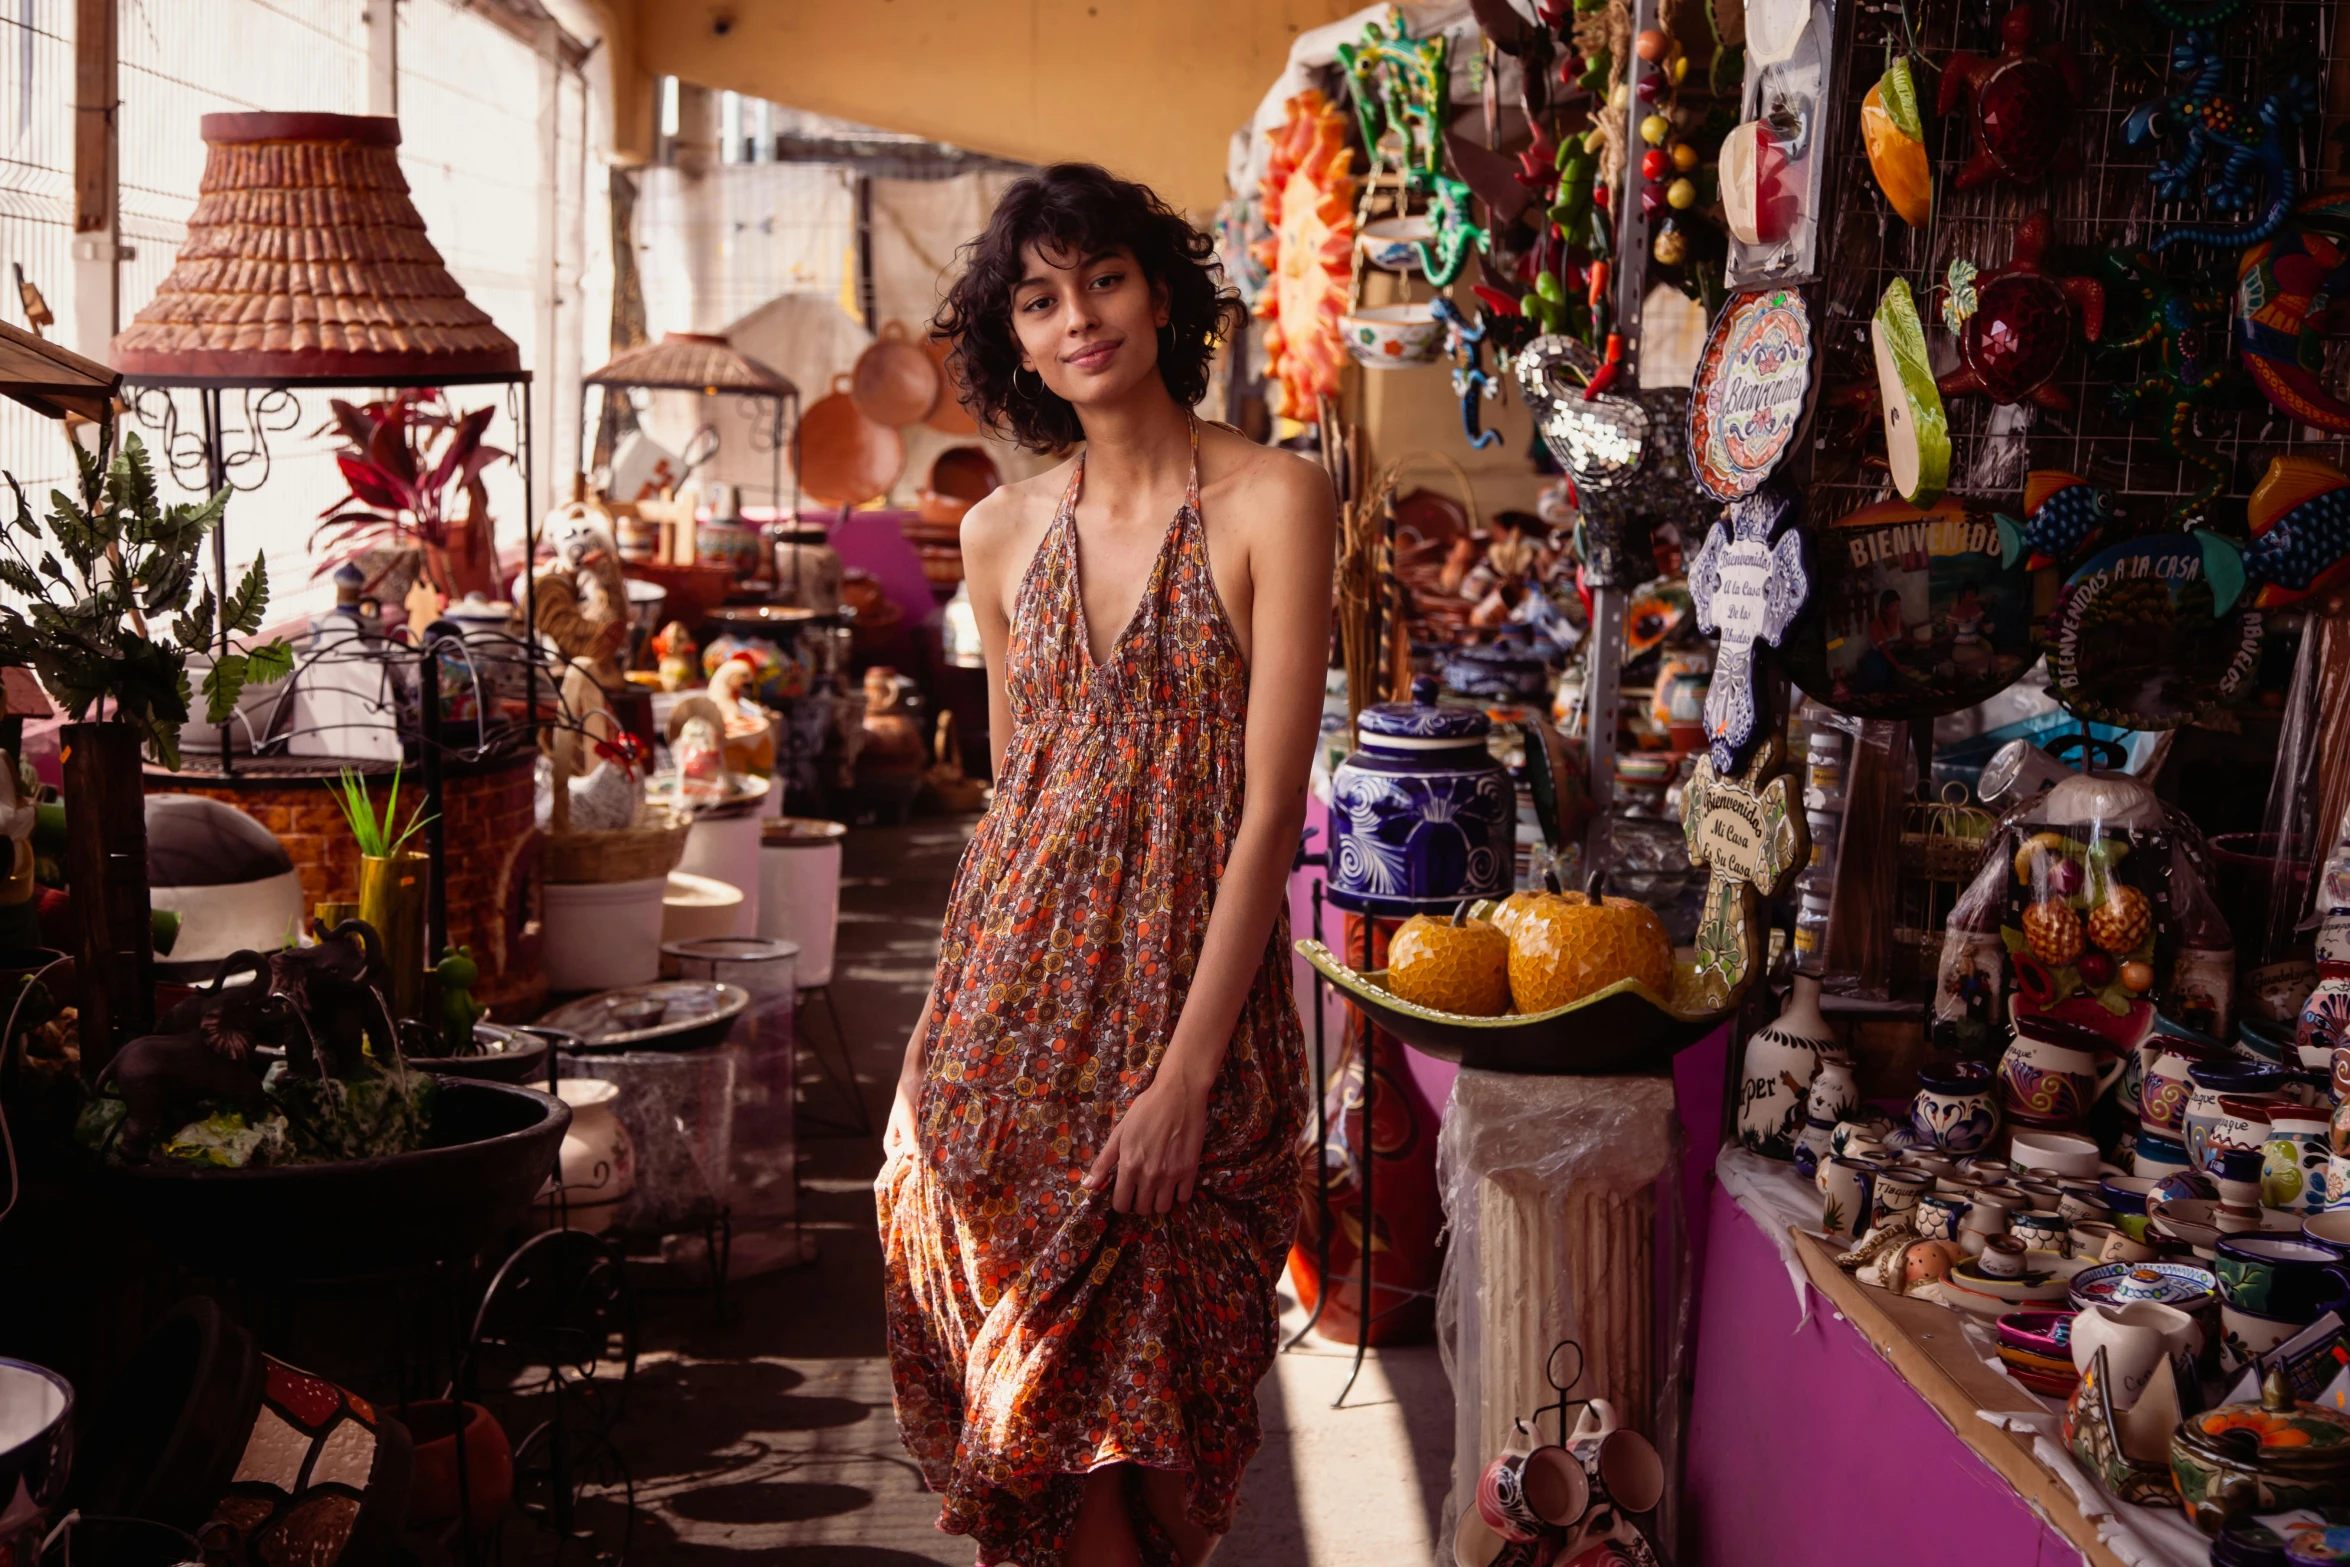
895	382
947	415
846	459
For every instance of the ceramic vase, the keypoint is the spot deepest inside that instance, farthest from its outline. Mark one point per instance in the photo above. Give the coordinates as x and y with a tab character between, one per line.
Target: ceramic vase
1406	1211
1835	1090
1423	813
1781	1061
598	1165
1955	1109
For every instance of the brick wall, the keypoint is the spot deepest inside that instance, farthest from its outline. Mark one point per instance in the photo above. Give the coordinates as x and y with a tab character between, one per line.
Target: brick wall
492	861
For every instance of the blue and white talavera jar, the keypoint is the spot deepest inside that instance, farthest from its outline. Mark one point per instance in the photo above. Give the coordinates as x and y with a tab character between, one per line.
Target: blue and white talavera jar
1422	815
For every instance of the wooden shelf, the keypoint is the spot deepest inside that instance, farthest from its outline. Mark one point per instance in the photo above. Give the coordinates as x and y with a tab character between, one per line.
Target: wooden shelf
1927	1347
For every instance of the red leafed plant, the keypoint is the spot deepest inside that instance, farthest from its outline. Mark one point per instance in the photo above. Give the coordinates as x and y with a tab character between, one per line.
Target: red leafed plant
405	460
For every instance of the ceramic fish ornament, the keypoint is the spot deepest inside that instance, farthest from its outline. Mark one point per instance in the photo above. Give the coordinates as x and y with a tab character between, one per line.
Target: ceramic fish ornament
2064	515
2300	513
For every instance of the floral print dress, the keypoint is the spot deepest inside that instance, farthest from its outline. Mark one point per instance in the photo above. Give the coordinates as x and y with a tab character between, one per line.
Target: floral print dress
1034	1334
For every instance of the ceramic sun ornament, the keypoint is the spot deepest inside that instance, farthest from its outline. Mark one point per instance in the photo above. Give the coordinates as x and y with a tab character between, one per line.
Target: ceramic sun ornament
2284	288
1749	834
1309	190
1748	582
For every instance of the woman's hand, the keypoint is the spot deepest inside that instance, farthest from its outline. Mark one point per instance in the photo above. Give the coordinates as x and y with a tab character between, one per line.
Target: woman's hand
903	1135
1153	1152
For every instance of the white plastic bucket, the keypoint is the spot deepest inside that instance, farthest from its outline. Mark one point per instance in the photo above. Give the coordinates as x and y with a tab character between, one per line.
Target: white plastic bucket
697	908
599	935
799	890
726	848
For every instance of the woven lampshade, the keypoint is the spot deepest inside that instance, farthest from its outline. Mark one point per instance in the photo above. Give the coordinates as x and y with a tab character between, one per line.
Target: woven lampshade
694	362
305	260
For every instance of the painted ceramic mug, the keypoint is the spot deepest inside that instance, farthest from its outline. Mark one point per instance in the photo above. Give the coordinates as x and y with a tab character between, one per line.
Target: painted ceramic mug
2240	1126
2052	1073
1622	1464
2163	1088
1530	1488
2213	1081
2042	1232
2285	1277
1849	1189
1941	1215
1956	1109
1897	1192
2293	1175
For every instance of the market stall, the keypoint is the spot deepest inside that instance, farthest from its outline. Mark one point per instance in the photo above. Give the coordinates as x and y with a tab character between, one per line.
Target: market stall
1920	712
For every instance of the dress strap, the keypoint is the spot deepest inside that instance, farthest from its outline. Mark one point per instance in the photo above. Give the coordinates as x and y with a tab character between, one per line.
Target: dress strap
1191	485
1076	483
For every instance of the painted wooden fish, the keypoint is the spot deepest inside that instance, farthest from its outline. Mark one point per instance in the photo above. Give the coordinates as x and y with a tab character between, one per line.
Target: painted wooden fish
2064	514
2300	514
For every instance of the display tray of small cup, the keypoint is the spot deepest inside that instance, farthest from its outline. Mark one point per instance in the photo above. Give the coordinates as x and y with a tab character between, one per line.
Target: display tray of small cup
1542	984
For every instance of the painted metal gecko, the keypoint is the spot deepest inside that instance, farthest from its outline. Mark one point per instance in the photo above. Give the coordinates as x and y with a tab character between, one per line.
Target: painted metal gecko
1466	341
2239	152
2187	327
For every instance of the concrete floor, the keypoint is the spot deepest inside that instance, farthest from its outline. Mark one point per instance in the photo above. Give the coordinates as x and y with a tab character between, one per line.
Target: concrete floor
769	1437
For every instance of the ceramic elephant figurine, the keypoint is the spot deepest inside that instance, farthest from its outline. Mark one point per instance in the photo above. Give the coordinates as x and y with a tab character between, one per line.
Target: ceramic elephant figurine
166	1080
335	993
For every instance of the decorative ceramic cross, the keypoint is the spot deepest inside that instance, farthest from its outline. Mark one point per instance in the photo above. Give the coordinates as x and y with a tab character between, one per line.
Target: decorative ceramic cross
1750	834
1748	582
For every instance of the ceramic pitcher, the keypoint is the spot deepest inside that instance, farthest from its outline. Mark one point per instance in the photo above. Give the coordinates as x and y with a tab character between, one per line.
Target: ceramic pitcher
2213	1081
2051	1074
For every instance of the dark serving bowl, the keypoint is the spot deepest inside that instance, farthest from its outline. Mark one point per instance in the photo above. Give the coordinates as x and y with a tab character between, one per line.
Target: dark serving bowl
493	1146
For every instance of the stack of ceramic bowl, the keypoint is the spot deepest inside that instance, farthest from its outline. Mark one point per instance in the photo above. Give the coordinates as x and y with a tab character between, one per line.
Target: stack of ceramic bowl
2271	1287
2035	1347
2182	1286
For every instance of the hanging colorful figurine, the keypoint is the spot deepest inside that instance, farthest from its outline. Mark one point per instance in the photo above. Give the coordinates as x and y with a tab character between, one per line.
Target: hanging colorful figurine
2284	288
2241	154
1401	88
1465	341
2023	101
2187	329
2013	323
2300	514
1895	135
2064	516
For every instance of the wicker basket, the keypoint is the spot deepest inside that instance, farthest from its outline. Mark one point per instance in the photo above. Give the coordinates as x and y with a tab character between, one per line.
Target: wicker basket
649	848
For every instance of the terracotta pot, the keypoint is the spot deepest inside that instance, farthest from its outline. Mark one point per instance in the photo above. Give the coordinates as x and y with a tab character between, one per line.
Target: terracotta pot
846	459
947	415
964	473
489	1464
1406	1213
895	381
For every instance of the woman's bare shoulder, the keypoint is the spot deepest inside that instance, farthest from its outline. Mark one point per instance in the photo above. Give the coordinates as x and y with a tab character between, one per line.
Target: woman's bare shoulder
1009	520
1268	482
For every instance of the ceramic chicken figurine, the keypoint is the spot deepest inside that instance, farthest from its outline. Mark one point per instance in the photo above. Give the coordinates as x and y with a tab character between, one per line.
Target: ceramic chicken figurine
674	646
750	734
2022	101
2300	515
2013	323
697	742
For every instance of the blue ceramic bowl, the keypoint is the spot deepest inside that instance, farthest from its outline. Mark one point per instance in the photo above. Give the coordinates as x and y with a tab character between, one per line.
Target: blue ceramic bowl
2235	1075
2269	1044
2158	1155
2126	1193
2282	1277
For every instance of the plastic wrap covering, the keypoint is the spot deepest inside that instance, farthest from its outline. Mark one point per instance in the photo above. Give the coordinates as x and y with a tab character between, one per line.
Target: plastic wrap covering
2267	881
1558	1194
1857	957
677	1108
2093	900
1648	862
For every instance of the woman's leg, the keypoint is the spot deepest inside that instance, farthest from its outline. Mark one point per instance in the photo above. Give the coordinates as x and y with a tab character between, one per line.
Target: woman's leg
1165	1491
1103	1535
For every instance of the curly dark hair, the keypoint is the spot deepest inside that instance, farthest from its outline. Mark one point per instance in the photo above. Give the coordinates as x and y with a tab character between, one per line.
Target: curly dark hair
1078	209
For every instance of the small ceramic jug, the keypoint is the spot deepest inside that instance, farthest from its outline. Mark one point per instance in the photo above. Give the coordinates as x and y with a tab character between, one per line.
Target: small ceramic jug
2042	1232
1835	1091
1849	1188
2293	1178
1941	1215
1954	1109
2163	1090
1781	1062
1897	1192
2052	1073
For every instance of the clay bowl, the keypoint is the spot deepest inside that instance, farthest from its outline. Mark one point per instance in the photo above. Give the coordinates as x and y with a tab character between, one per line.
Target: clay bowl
846	459
964	473
895	381
2047	1335
492	1147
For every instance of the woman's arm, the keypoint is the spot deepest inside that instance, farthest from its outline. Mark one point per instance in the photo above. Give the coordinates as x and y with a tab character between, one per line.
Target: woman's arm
990	535
1153	1153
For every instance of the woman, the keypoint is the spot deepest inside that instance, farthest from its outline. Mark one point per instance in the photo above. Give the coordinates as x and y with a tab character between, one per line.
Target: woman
1092	1171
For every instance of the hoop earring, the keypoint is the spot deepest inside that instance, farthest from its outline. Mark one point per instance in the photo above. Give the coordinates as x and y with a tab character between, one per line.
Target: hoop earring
1017	387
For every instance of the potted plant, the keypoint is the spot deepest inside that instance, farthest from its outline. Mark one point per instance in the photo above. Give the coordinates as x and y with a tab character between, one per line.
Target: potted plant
404	458
97	578
391	881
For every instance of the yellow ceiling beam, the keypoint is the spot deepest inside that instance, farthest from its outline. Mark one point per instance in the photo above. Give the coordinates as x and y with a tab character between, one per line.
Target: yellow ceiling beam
1151	88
